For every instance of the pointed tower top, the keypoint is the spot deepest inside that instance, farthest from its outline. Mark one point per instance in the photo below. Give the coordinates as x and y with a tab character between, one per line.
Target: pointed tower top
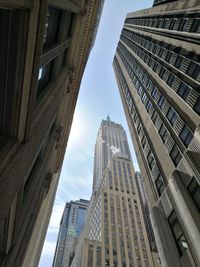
108	118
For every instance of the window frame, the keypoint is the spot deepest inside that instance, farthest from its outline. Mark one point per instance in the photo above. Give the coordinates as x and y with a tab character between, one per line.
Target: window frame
172	116
177	232
187	137
175	155
192	188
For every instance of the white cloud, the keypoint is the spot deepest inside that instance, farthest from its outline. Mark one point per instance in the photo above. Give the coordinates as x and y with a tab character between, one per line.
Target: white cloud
56	217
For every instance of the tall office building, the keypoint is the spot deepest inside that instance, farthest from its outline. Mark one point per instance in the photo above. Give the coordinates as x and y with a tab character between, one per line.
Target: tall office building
114	233
71	226
146	213
158	74
44	48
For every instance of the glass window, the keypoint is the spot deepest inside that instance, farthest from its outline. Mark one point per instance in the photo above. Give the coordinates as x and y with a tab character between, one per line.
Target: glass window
194	189
186	136
159	185
182	24
154	92
162	72
195	25
175	155
154	116
98	257
44	77
144	97
178	234
51	27
183	91
90	256
173	22
151	160
197	107
178	62
168	57
163	132
193	70
170	79
161	101
148	105
40	73
172	116
143	141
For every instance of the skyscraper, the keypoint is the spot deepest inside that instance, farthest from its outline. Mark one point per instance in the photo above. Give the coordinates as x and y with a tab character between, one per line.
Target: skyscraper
71	226
158	74
44	47
114	233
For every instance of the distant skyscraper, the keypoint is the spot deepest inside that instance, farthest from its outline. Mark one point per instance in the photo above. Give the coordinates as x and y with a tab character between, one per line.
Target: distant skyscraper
71	226
158	74
114	233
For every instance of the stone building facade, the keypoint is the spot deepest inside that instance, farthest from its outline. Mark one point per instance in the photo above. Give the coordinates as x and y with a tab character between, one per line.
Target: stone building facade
44	50
158	73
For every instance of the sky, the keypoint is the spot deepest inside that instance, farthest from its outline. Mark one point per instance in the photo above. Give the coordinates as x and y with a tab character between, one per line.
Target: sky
98	97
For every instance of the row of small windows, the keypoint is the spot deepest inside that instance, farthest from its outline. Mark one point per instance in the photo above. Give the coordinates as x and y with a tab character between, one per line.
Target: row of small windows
160	186
175	153
171	113
159	50
187	23
170	79
193	187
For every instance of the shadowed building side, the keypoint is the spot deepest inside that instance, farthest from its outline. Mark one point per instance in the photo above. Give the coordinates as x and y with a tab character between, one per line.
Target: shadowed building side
44	50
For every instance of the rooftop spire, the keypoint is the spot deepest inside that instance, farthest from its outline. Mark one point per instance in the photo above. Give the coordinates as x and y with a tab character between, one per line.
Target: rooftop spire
108	118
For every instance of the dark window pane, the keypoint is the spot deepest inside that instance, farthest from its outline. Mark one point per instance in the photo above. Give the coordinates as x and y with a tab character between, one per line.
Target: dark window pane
148	105
169	54
159	185
51	27
186	136
197	107
172	116
151	161
154	92
154	116
177	232
182	243
195	25
161	101
194	189
44	77
183	91
175	155
170	80
143	141
163	133
193	70
182	24
178	61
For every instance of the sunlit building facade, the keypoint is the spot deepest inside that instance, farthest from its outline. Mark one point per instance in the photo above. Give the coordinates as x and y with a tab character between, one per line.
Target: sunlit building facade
114	233
71	226
45	45
158	73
